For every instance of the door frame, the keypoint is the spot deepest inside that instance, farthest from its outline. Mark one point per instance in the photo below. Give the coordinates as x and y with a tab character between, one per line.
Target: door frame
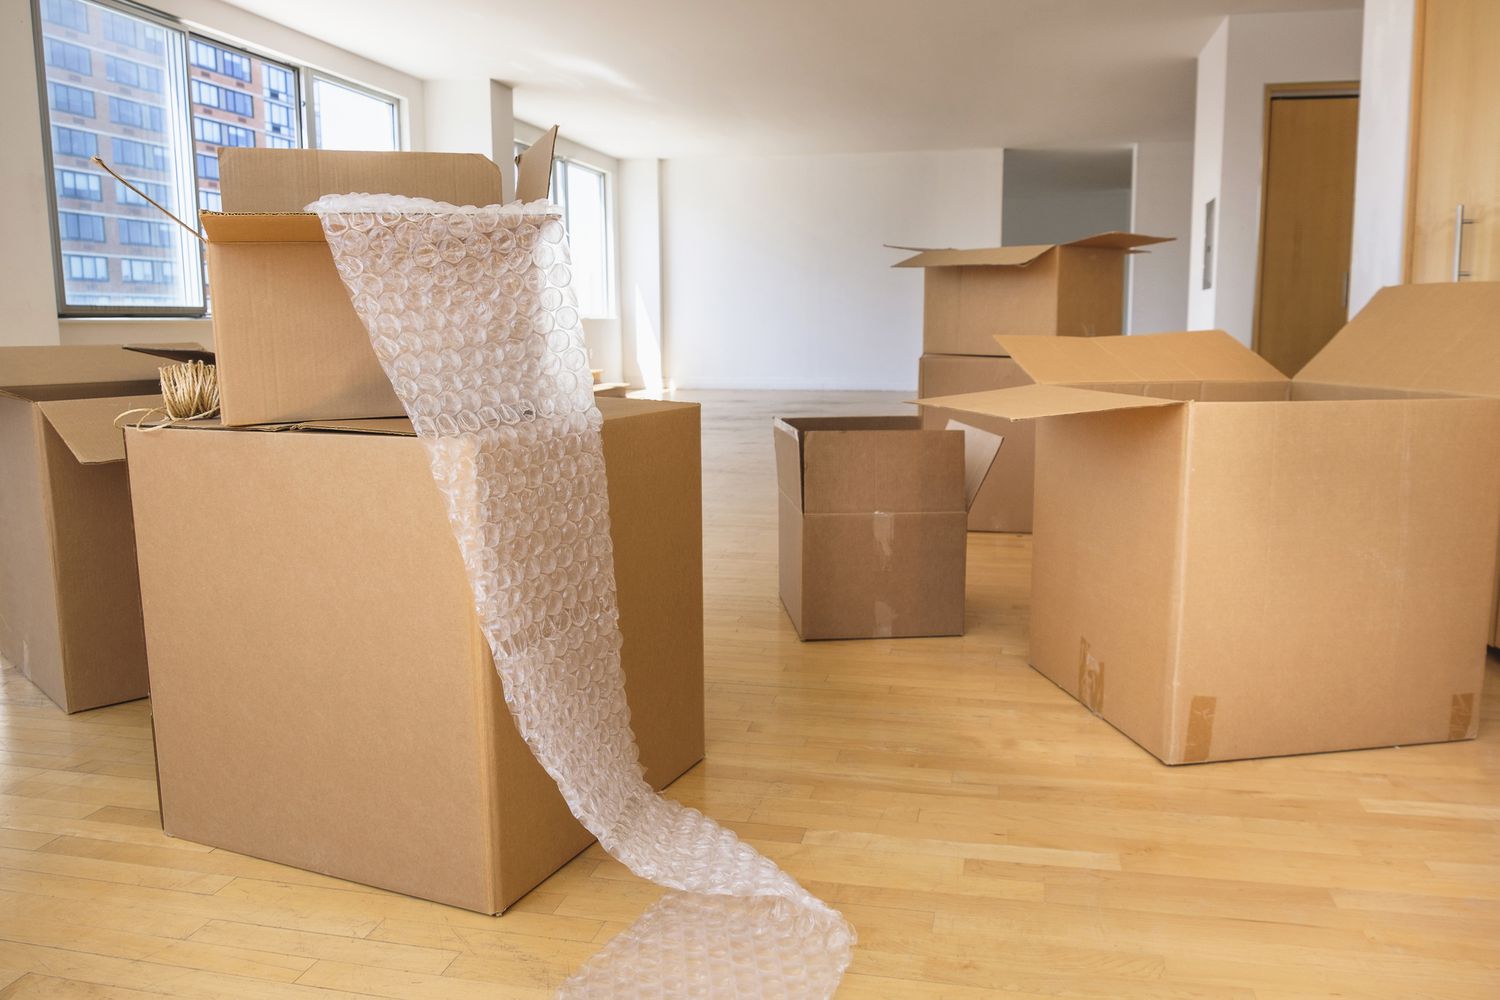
1413	137
1274	91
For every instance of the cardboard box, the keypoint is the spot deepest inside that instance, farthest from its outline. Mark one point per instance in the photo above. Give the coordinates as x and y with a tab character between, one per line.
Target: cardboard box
1231	564
872	514
1003	501
70	609
321	694
1072	289
290	346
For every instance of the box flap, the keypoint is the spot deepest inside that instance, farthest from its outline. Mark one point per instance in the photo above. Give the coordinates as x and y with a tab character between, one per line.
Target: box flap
1030	402
1196	356
24	369
980	450
1438	338
288	180
395	426
174	352
534	168
1020	256
221	227
87	426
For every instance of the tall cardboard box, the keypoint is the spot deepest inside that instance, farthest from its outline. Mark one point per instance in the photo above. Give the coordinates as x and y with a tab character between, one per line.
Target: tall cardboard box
1072	289
1003	501
872	519
321	693
1231	564
70	609
302	353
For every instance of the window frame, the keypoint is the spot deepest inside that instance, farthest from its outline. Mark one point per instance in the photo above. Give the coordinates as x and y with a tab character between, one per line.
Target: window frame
302	75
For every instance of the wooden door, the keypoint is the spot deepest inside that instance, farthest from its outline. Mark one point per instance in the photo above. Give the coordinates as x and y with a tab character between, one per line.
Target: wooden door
1307	225
1456	145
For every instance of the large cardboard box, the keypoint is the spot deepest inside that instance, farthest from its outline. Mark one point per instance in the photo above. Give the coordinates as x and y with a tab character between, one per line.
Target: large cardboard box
1231	564
1072	289
289	344
70	609
872	519
321	693
1003	501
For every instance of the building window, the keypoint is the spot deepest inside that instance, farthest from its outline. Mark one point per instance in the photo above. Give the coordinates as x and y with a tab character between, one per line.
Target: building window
81	226
129	73
80	185
134	114
189	95
144	270
69	57
582	194
85	267
345	117
68	100
71	14
74	142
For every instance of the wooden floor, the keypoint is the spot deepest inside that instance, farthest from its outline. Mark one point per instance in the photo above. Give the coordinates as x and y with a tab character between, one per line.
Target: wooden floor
985	834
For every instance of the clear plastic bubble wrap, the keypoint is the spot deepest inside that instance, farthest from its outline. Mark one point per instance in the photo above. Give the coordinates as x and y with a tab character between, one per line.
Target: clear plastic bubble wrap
472	316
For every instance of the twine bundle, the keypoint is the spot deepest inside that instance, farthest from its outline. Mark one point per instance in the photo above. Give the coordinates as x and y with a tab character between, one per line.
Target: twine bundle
189	391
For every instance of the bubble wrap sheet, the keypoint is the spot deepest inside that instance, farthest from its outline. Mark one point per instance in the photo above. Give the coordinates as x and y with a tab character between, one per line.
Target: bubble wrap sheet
472	316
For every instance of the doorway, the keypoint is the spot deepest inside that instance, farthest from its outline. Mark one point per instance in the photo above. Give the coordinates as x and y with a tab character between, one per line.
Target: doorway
1307	220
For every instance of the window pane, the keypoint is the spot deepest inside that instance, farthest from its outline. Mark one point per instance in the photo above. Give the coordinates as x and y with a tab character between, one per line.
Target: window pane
238	99
588	232
115	87
353	119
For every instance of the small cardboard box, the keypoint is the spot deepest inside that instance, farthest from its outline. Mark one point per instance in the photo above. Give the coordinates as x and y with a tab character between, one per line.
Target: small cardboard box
1072	289
321	693
70	607
1003	502
1231	564
290	346
872	514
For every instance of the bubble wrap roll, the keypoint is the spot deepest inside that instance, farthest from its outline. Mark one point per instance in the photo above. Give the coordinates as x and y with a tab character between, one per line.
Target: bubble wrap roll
471	314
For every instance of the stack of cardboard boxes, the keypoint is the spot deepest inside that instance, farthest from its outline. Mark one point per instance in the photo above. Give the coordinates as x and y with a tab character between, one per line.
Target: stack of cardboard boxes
322	695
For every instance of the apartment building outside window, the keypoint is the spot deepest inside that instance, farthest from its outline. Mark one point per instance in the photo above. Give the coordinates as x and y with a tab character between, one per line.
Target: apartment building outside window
158	102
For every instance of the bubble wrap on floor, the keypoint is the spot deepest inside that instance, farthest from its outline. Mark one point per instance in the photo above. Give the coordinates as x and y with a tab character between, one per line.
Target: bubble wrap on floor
472	316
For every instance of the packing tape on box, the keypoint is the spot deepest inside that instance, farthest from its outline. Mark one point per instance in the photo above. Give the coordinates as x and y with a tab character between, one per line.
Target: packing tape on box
1463	721
1200	729
1090	679
471	315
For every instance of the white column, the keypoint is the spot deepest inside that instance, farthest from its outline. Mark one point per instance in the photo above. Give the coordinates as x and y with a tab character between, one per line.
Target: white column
1161	205
643	343
473	116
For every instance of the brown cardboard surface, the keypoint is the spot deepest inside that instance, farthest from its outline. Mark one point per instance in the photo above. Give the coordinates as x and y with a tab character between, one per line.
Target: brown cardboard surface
1195	356
323	662
288	180
873	522
1003	500
69	600
1030	402
1017	256
41	373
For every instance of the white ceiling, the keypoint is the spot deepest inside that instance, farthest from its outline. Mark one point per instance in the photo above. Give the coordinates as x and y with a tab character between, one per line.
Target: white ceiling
714	77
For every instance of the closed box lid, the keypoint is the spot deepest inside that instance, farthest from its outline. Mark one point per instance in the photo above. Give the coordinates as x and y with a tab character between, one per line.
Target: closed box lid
1020	256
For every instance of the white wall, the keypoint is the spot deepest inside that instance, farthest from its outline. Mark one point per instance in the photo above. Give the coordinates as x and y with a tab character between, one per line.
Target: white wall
775	273
1161	205
1043	201
1245	54
28	298
1385	112
638	195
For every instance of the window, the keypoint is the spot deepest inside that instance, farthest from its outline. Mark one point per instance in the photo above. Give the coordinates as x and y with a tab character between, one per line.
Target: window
146	270
80	185
81	226
71	100
141	233
582	193
139	154
69	57
73	14
129	73
134	114
74	142
160	193
189	94
211	95
346	118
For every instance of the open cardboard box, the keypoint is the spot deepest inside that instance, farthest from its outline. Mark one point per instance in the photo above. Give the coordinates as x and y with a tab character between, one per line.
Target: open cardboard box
1231	564
322	695
70	608
872	516
1072	289
289	344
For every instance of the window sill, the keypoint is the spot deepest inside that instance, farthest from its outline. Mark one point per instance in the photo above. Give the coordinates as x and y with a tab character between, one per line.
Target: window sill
135	330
